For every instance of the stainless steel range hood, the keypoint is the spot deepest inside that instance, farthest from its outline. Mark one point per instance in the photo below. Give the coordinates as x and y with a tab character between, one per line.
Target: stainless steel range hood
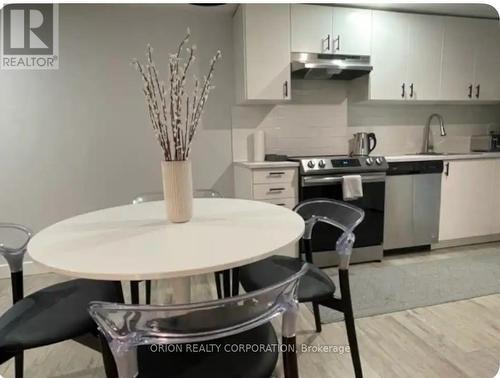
326	66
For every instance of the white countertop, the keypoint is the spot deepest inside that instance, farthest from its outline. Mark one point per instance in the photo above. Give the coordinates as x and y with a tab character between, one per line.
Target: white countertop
451	156
267	164
389	158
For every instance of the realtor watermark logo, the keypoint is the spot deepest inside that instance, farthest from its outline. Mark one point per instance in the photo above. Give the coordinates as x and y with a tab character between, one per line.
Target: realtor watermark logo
29	37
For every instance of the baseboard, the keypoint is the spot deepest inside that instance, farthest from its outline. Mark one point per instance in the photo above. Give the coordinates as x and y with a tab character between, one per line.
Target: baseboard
466	241
29	268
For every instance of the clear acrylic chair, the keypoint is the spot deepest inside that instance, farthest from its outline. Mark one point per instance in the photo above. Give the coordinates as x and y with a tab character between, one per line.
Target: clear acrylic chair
316	286
158	196
42	318
159	341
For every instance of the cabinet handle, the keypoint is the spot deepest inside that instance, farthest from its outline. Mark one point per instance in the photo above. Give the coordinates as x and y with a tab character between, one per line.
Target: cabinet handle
285	89
478	87
411	90
403	90
276	189
470	91
338	42
328	42
276	173
281	204
447	169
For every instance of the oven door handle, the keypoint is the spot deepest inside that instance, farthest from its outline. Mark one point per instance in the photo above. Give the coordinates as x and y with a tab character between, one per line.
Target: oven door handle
314	181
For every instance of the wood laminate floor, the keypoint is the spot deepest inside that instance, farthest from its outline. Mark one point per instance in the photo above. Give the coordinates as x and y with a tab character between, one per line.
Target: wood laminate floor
459	339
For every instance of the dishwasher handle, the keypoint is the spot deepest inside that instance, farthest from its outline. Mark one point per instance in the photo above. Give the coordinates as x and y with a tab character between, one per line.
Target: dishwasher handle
415	168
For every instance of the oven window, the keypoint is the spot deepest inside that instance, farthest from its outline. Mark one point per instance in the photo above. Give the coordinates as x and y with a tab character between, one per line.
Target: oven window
369	232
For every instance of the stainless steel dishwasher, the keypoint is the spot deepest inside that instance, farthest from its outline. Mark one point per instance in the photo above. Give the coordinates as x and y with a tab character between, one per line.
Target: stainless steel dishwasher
412	200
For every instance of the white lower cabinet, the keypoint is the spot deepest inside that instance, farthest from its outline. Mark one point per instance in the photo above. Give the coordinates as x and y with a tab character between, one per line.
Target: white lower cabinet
276	185
495	205
467	197
273	185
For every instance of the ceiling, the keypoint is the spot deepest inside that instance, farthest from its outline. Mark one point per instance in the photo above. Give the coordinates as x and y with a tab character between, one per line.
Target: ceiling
455	9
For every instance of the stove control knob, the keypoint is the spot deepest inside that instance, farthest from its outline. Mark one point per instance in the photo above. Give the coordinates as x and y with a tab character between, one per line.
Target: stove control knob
321	164
369	161
311	164
379	160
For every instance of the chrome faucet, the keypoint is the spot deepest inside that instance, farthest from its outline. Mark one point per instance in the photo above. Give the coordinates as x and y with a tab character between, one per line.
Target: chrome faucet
428	147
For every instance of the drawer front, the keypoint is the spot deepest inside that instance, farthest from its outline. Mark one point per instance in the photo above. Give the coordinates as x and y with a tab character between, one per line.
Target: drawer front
273	191
268	176
285	202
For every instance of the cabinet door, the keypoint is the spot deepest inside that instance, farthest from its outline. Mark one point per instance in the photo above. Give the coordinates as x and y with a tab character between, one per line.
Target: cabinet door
458	58
389	56
466	198
311	27
495	224
267	51
487	62
352	30
424	63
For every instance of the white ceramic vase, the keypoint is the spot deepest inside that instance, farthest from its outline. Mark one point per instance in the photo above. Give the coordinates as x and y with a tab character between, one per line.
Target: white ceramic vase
178	190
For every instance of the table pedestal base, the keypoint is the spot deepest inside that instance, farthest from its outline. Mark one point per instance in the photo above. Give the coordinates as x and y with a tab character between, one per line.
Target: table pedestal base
181	290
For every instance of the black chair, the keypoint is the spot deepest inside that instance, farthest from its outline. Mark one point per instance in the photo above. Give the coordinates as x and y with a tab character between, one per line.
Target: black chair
50	315
230	337
316	286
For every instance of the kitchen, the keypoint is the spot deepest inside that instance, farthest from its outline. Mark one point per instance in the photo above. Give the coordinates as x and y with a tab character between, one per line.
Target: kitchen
419	111
389	113
421	120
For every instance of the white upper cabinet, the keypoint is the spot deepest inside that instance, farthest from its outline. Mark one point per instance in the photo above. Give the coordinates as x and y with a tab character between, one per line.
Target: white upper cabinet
330	30
351	33
487	62
460	39
406	56
390	43
471	57
424	58
262	52
311	29
414	57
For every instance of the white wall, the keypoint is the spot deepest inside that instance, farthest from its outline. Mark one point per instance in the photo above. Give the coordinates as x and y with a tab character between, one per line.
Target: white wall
79	139
321	120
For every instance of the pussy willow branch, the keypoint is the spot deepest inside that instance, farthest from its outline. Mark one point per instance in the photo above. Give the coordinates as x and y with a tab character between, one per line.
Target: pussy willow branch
162	138
202	100
174	126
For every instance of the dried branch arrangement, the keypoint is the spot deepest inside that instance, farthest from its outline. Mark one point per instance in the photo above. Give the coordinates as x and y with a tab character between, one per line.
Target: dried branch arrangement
174	114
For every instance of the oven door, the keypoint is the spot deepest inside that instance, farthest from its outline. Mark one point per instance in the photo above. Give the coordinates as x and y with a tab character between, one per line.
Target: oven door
371	231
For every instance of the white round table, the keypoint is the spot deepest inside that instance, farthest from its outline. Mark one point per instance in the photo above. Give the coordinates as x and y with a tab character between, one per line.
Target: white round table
136	242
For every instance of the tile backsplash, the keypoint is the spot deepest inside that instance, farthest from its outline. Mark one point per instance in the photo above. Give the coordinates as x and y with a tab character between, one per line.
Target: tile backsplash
320	120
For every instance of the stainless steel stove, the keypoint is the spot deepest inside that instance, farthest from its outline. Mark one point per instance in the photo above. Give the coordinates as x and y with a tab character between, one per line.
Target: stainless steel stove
321	177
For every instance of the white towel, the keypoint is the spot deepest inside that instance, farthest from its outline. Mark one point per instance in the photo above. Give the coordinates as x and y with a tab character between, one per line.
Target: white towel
352	187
